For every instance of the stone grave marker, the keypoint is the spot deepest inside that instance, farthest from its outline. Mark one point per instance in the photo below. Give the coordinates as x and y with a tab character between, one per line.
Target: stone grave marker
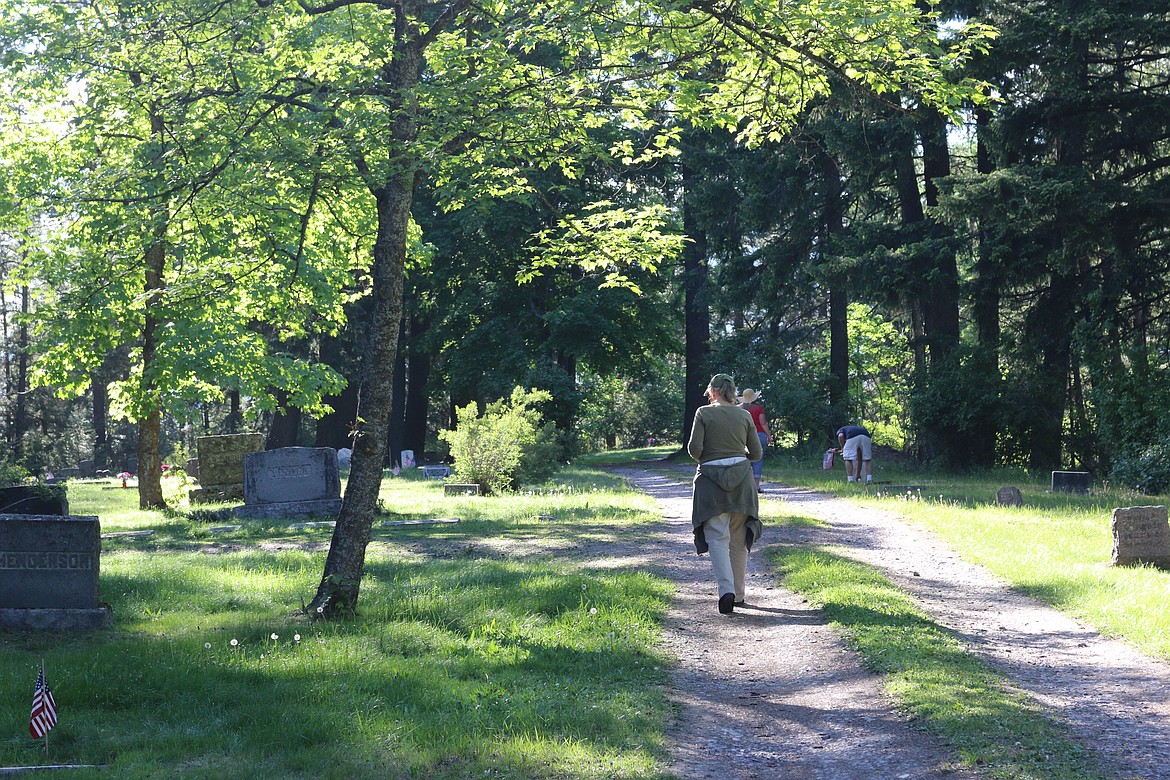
221	466
436	472
1141	534
34	500
461	489
291	482
1009	496
192	468
49	568
1070	482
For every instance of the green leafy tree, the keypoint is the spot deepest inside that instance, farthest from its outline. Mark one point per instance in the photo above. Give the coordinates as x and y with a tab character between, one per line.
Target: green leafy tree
178	231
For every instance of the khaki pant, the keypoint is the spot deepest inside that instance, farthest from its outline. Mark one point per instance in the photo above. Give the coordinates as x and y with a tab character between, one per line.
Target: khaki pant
726	536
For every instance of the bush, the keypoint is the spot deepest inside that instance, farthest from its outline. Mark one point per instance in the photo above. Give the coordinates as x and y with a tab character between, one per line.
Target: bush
1145	469
509	443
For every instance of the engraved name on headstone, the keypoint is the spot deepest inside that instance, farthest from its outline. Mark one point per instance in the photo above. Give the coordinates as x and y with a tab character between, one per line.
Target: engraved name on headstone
292	482
49	567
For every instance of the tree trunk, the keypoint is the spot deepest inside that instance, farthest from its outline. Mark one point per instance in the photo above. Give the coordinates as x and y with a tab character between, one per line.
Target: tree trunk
696	309
150	494
414	434
286	424
20	412
941	295
340	585
833	224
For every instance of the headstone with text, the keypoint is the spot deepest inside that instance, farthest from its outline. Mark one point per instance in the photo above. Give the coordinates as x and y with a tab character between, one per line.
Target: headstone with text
1141	535
49	566
1070	481
221	466
291	482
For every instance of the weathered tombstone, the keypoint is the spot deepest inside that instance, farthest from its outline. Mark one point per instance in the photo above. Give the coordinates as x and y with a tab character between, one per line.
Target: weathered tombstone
436	472
344	457
34	500
87	468
192	468
291	482
1141	534
49	573
459	489
1009	496
221	466
1070	482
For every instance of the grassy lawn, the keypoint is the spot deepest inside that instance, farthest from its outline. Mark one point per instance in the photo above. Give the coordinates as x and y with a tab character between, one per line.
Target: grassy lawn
483	648
1056	547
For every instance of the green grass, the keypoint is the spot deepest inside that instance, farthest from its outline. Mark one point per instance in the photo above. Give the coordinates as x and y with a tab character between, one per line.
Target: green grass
946	689
465	661
1057	547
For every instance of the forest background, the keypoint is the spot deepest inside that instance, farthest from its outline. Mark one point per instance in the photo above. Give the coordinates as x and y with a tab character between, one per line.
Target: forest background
974	265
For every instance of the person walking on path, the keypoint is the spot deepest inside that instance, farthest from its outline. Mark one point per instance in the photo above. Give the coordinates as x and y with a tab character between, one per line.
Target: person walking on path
857	450
725	512
760	418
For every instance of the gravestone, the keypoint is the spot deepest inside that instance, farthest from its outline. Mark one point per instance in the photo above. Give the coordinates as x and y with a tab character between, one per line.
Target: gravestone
34	500
461	489
49	568
221	466
344	457
291	482
1070	482
87	468
436	472
192	468
1141	534
1009	496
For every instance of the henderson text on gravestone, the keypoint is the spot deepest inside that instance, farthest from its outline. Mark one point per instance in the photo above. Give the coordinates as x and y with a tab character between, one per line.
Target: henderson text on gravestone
49	569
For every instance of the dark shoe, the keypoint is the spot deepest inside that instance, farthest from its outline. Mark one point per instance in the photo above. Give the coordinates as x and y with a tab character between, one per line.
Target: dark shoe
727	603
741	603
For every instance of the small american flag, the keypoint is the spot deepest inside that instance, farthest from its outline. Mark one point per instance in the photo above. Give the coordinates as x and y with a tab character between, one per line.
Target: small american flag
44	709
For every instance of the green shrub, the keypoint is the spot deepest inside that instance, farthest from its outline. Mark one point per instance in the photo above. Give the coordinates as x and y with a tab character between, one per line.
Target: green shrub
508	444
1145	469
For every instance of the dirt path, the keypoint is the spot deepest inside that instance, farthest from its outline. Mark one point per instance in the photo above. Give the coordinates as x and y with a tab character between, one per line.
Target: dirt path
770	692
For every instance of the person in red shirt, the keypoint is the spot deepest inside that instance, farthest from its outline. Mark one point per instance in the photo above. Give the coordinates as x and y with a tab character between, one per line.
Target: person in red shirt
750	402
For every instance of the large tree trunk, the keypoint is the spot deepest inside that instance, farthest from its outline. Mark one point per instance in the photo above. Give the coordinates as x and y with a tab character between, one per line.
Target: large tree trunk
414	433
20	410
340	584
150	495
696	308
832	225
941	295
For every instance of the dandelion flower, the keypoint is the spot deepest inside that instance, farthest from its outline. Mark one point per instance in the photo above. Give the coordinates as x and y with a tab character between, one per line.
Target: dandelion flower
593	610
296	637
207	645
235	642
274	636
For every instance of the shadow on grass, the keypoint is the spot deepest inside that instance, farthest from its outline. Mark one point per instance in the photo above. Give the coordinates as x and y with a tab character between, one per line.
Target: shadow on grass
953	693
451	669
